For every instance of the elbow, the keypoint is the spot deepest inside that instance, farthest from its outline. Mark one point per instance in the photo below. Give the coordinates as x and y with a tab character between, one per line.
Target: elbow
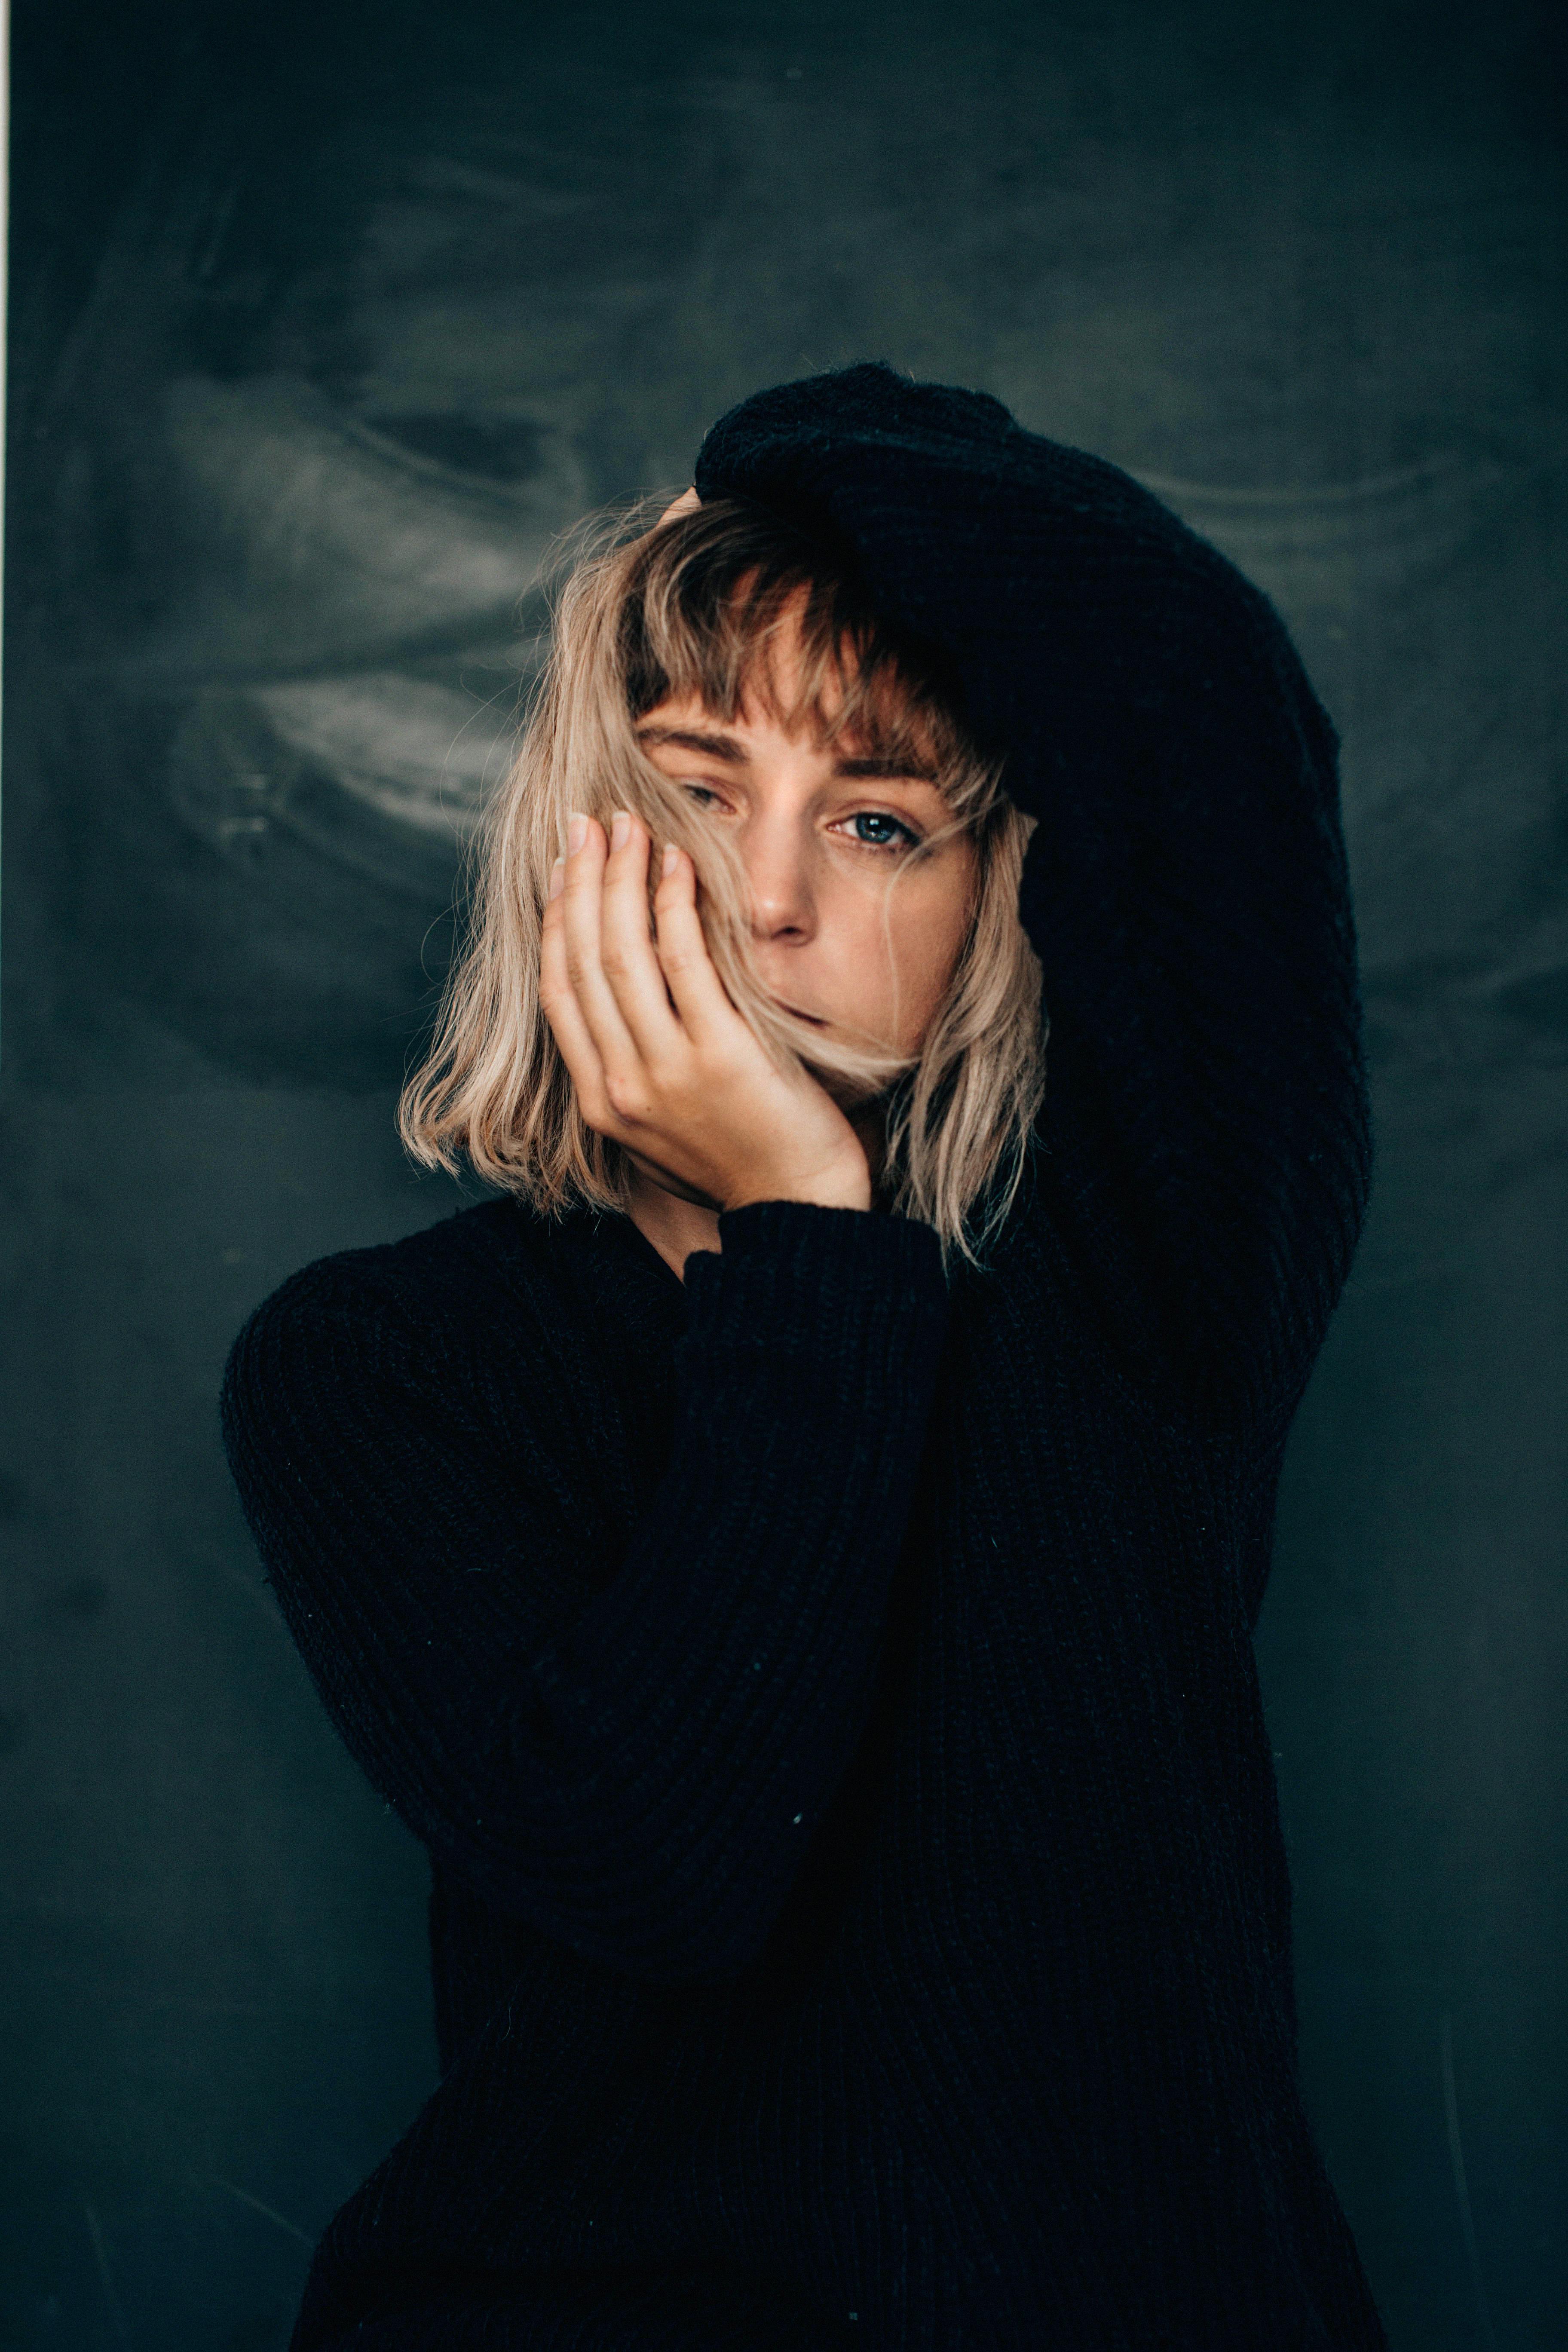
695	1922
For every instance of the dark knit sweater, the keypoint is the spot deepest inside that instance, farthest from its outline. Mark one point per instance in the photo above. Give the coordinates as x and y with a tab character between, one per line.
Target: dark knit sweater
827	1692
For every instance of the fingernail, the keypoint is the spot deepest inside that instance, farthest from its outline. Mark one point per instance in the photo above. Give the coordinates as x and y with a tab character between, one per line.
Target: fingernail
576	832
558	877
669	857
620	828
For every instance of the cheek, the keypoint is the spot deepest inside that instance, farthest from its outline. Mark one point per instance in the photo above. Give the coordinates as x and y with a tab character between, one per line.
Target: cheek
881	960
928	920
931	913
926	948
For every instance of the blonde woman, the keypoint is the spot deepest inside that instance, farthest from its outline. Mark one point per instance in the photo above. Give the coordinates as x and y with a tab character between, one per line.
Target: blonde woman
792	1554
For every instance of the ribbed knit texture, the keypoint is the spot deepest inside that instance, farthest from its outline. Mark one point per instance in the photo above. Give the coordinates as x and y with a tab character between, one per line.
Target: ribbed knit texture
860	1912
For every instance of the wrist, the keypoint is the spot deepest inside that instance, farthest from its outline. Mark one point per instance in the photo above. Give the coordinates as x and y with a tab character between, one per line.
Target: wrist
843	1185
850	1192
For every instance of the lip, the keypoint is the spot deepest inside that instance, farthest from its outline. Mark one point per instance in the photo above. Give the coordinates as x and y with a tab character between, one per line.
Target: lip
814	1018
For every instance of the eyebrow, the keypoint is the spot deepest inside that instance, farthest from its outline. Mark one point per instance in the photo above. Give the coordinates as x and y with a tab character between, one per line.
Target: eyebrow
911	771
728	748
689	739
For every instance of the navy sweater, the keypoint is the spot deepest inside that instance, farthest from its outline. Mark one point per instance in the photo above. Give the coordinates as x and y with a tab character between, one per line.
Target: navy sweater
827	1691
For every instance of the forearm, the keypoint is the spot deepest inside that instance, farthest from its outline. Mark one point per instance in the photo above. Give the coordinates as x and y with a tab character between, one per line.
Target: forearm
1185	886
708	1702
624	1770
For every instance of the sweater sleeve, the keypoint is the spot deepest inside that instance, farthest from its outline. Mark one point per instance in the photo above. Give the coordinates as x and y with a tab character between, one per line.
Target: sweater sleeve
636	1773
1207	1134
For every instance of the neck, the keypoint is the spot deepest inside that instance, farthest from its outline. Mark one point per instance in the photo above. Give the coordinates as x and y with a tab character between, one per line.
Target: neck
676	1227
673	1225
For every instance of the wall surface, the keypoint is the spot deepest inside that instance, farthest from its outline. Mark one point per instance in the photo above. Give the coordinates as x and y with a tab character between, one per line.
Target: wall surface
322	331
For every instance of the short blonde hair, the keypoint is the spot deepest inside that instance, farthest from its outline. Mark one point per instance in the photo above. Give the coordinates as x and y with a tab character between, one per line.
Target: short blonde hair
691	607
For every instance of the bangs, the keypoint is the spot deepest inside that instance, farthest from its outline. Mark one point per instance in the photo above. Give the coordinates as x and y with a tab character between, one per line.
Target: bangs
710	599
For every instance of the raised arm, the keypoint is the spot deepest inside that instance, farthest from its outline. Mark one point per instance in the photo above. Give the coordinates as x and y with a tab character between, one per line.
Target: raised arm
1205	1129
628	1744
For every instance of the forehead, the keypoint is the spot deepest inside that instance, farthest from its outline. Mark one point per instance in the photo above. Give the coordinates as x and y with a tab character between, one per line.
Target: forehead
762	740
819	692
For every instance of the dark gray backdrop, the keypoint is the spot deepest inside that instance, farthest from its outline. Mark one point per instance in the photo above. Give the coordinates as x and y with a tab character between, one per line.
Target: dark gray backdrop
323	323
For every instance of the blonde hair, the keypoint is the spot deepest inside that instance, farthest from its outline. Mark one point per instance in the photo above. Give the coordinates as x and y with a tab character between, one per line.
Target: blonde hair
692	607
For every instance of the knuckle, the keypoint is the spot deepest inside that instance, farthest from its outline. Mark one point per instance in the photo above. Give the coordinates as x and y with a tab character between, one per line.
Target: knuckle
627	1096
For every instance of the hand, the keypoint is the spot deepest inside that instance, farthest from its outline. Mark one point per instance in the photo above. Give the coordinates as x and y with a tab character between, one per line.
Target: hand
663	1064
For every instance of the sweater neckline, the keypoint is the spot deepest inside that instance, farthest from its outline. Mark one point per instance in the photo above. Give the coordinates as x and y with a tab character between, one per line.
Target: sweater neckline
620	1232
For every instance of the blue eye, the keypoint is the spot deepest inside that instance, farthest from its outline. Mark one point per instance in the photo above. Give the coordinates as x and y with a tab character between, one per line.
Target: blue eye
879	830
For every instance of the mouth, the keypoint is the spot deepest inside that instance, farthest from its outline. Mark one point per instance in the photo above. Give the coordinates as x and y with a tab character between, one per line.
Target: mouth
816	1021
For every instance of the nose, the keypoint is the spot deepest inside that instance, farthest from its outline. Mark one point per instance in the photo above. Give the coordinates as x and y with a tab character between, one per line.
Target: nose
775	851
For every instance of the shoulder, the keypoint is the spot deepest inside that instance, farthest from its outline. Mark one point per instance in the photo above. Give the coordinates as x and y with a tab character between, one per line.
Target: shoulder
428	1275
398	1311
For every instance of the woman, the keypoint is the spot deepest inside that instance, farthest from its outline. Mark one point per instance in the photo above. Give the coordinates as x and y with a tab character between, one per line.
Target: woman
792	1556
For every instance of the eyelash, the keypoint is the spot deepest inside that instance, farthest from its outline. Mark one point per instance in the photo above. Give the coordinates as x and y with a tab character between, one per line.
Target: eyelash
910	838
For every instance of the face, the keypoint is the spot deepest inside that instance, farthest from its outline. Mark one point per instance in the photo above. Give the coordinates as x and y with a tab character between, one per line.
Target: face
850	931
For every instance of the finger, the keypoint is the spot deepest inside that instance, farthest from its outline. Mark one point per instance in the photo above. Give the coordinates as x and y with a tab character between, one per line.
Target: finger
583	1065
581	904
699	995
625	947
